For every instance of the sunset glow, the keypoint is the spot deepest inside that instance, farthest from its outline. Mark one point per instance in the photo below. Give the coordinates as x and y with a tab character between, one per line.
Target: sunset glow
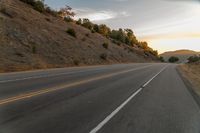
164	24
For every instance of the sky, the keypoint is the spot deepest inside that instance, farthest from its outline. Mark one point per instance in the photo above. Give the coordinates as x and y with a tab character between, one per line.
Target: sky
166	25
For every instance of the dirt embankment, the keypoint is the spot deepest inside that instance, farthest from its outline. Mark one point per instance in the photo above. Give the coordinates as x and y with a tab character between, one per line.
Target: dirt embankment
192	73
32	40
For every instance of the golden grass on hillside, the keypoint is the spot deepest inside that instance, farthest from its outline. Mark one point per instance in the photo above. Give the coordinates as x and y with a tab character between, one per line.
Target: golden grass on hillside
192	73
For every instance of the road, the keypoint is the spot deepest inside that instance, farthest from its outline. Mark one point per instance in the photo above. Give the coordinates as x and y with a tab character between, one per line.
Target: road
126	98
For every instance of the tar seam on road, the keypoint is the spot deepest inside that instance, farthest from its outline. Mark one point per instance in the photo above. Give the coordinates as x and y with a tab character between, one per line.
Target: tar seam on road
48	90
107	119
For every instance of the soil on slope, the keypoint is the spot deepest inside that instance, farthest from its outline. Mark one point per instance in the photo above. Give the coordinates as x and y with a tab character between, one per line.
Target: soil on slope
31	40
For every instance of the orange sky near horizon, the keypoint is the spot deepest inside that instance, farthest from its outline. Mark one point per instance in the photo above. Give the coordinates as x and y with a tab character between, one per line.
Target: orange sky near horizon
166	25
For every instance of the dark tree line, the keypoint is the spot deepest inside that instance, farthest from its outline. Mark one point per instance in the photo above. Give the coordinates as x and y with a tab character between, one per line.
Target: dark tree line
125	36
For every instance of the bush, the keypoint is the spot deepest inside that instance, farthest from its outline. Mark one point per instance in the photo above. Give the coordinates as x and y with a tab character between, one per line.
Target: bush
105	45
34	50
162	59
68	19
51	11
193	59
79	21
116	42
37	5
76	62
103	56
173	59
71	32
87	34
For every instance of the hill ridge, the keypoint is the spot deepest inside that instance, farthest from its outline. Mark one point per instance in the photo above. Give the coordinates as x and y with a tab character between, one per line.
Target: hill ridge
32	40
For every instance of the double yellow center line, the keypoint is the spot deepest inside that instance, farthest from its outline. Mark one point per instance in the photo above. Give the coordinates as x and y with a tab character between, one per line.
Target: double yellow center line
48	90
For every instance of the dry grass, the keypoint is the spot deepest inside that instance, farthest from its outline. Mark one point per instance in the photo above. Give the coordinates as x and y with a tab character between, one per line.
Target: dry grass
40	42
192	73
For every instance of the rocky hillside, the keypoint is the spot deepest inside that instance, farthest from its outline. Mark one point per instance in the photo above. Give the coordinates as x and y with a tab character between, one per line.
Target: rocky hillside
33	40
183	55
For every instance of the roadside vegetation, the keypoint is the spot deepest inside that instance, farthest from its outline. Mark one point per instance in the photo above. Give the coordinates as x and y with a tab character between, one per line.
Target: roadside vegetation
193	59
191	71
162	59
125	36
173	59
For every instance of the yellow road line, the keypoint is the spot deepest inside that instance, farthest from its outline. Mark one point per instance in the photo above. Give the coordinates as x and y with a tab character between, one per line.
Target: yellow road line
48	90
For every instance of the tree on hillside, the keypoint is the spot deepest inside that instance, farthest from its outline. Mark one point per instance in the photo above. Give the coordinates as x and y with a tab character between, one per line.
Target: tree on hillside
173	59
87	24
36	4
144	45
79	21
96	28
104	30
66	12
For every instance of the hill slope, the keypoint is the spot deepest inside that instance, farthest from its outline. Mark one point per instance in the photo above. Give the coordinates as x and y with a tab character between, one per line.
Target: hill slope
183	55
31	40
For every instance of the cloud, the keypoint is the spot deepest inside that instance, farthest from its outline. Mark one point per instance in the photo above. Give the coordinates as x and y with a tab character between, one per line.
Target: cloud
94	15
184	0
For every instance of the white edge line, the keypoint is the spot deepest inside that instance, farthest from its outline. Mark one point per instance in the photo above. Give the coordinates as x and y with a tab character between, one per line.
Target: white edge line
101	124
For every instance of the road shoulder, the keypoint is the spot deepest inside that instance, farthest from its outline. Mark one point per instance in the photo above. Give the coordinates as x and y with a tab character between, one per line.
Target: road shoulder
187	81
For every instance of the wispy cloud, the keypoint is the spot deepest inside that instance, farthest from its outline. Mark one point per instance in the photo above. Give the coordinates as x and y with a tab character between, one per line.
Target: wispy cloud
94	15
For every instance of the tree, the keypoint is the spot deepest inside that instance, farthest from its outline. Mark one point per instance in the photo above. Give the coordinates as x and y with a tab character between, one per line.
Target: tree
173	59
87	24
66	12
79	21
96	28
38	5
144	45
162	59
104	30
193	59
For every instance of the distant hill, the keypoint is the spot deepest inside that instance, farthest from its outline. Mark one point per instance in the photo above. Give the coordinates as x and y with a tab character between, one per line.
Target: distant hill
33	40
183	55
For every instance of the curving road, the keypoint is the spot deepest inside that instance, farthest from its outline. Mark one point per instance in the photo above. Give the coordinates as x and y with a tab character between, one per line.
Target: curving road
125	98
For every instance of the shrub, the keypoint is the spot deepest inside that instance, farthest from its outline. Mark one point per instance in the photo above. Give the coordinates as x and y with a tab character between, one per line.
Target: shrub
51	11
193	59
103	56
71	32
76	62
87	34
79	21
116	42
87	24
105	45
162	59
173	59
68	19
37	5
34	50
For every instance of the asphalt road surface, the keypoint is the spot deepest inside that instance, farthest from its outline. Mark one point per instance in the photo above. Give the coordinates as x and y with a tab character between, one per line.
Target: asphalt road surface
126	98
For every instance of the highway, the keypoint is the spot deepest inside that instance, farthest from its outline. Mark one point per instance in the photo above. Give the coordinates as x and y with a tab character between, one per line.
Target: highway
121	98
